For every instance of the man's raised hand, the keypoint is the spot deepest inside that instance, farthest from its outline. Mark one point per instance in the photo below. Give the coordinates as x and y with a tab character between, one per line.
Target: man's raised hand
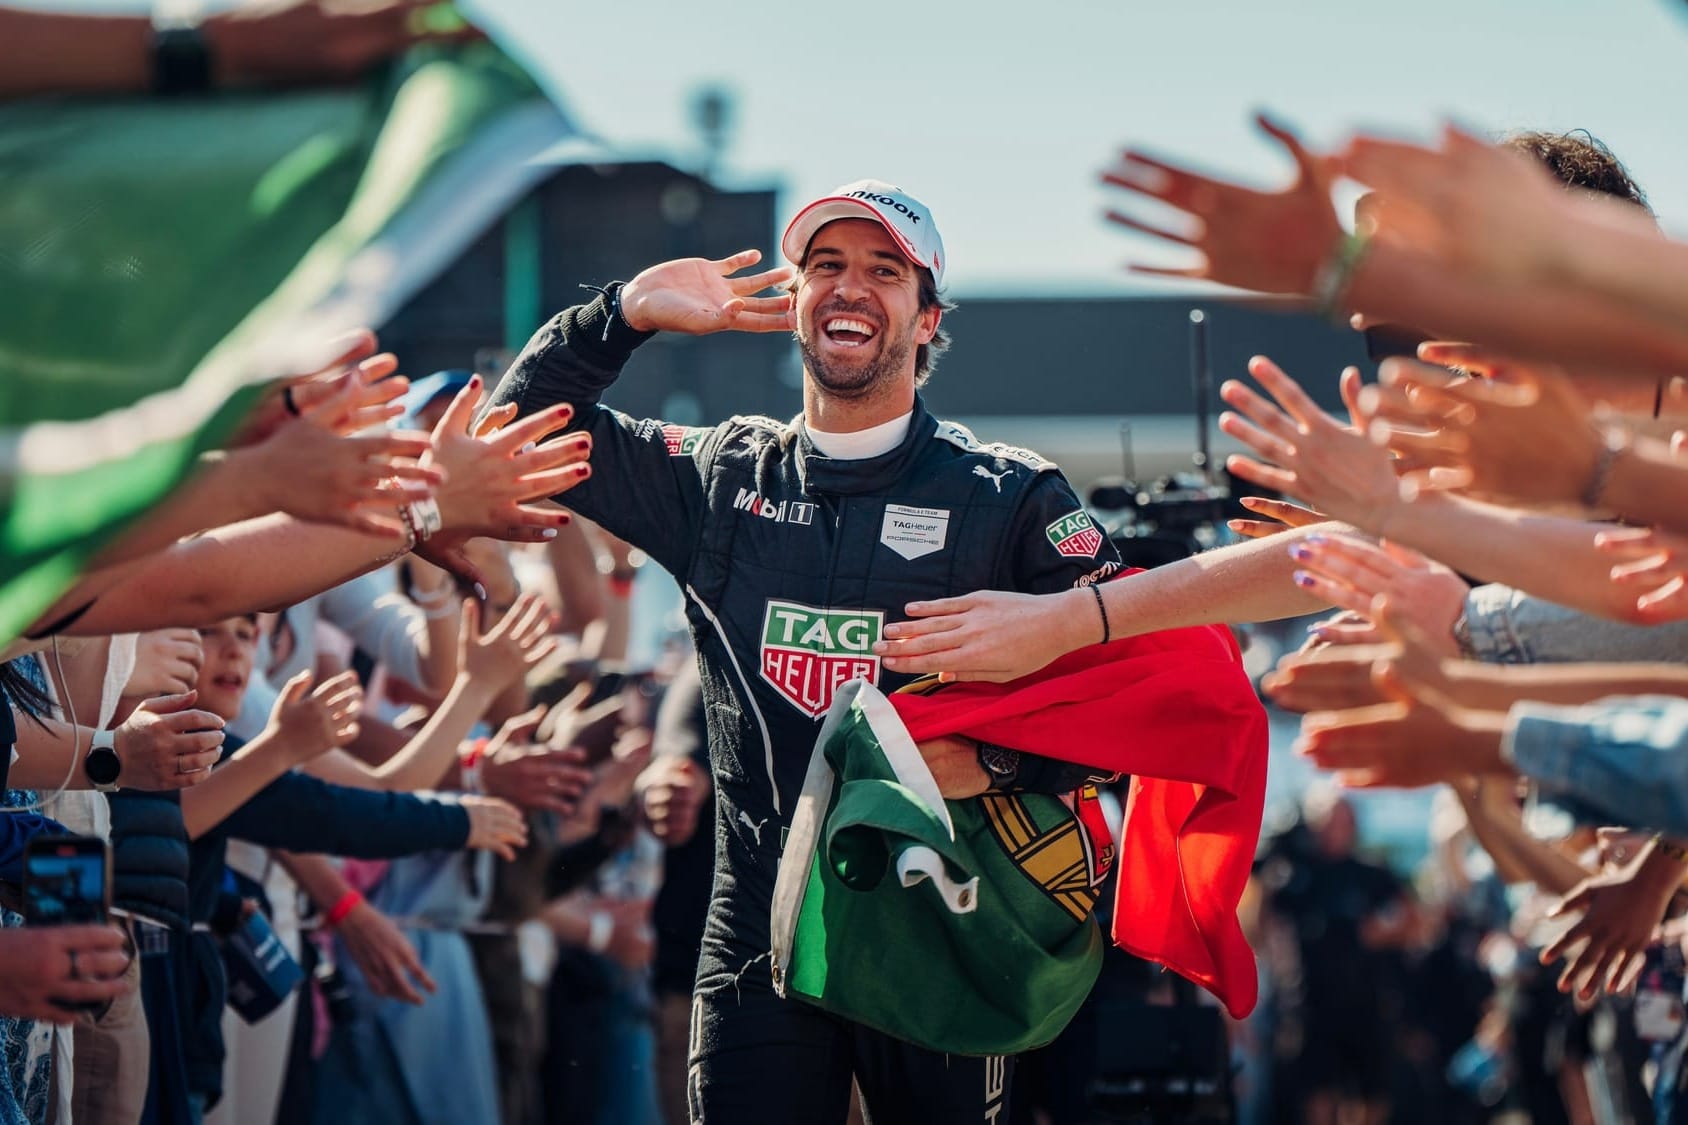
698	296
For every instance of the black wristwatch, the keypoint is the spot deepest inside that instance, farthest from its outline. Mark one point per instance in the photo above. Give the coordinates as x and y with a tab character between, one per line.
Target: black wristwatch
1000	764
102	765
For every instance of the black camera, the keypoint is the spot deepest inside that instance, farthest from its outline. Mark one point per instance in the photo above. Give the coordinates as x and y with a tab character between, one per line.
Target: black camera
1162	1063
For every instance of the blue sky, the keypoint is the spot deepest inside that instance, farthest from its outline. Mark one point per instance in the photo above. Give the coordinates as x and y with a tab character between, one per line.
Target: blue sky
999	114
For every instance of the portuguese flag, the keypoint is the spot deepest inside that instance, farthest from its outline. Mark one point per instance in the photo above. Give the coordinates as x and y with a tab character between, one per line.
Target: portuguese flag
161	256
964	926
959	926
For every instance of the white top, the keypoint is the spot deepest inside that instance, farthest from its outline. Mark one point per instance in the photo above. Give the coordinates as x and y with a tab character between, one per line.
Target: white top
862	444
86	811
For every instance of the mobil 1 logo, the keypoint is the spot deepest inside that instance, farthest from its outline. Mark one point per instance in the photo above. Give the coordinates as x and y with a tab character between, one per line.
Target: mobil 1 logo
808	652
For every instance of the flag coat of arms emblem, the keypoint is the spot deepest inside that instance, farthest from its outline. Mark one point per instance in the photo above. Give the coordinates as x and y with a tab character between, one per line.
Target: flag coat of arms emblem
959	926
1074	536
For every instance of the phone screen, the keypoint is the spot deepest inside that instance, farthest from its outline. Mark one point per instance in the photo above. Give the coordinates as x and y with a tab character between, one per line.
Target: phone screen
66	880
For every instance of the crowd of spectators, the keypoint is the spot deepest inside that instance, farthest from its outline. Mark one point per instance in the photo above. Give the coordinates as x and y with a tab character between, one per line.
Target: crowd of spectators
281	688
366	684
1495	525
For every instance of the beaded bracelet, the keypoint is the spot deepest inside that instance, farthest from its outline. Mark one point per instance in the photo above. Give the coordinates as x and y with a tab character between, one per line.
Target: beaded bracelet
1336	274
1101	608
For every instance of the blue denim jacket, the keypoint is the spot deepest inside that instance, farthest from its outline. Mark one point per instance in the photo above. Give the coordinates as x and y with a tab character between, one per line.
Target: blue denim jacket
1511	627
1618	761
1586	759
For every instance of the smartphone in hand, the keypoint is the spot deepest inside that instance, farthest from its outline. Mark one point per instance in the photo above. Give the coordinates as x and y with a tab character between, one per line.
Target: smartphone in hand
66	880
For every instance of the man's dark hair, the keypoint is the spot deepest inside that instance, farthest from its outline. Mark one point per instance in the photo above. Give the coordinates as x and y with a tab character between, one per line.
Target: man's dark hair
926	355
1580	160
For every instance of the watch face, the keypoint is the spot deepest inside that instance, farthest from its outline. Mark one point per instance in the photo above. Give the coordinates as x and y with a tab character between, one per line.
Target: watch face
103	766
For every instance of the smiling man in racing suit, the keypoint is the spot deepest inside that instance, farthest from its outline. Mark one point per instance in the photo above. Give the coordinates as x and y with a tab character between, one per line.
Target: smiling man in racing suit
795	543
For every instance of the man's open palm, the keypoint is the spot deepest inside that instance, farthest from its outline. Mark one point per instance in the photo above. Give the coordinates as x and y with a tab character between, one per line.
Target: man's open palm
698	296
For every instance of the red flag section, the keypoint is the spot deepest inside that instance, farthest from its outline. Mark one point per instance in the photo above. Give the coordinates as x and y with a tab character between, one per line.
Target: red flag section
1176	711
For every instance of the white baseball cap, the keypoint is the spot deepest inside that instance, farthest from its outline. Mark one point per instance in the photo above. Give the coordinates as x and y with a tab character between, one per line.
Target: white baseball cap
905	217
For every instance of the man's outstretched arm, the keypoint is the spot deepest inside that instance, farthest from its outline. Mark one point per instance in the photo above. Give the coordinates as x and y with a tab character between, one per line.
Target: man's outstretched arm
997	636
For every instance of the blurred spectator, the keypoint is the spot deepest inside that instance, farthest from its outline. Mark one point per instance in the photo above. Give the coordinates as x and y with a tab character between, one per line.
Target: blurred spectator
1349	918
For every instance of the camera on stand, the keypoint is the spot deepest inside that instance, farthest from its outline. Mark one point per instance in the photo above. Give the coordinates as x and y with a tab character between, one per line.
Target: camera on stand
1164	520
1183	513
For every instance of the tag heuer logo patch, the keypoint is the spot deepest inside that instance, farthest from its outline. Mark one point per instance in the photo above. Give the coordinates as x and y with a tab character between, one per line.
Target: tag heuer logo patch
1074	536
914	532
682	441
808	653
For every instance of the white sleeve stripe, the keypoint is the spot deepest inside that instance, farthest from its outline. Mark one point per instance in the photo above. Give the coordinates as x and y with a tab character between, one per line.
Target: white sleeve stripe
749	698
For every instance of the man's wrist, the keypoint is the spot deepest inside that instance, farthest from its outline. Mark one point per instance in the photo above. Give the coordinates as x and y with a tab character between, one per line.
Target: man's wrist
1001	767
620	309
1076	618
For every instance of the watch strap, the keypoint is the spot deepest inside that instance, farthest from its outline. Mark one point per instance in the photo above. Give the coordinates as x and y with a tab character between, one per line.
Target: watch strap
1001	765
102	761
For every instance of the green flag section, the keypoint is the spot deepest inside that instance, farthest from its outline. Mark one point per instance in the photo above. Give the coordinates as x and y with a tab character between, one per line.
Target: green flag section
159	257
960	926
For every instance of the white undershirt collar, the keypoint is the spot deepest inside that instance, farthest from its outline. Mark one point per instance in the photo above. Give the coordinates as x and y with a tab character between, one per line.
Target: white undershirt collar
862	444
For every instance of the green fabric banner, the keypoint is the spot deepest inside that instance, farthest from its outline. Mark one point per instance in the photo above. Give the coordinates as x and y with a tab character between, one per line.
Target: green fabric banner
158	257
960	926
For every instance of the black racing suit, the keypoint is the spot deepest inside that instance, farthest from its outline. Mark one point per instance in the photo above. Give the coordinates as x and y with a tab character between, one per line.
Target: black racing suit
792	563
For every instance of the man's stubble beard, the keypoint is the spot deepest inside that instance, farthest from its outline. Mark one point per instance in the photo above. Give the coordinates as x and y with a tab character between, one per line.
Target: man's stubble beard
857	382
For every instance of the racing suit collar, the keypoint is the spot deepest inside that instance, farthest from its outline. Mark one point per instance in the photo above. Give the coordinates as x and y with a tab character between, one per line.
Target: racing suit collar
871	474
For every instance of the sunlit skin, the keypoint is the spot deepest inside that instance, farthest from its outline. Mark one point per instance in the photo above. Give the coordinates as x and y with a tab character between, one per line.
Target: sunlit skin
230	646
